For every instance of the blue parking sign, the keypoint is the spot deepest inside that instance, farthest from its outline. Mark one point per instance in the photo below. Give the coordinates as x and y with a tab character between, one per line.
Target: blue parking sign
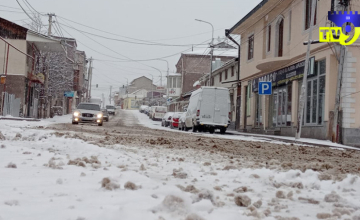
265	88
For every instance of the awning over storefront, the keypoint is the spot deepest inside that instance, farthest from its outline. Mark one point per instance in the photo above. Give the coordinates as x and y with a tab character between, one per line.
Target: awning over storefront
285	75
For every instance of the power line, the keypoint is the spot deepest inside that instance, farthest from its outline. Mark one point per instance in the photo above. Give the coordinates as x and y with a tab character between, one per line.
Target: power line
26	12
149	41
129	59
131	42
33	8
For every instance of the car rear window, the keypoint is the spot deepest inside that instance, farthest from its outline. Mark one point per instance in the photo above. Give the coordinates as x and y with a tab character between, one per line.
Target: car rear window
110	107
161	109
93	107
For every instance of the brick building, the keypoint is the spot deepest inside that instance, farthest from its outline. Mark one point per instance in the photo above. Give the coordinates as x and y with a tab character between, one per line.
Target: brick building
195	64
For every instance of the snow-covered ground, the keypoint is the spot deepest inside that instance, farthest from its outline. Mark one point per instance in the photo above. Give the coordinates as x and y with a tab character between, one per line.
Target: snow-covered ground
40	178
145	121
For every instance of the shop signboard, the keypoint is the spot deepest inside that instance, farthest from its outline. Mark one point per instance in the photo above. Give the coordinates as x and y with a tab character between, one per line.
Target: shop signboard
285	75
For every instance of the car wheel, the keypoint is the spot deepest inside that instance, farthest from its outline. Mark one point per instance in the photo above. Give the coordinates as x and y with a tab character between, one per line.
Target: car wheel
201	129
212	130
222	130
194	128
75	123
100	124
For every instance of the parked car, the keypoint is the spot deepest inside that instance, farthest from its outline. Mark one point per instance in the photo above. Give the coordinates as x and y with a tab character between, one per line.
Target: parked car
111	109
151	111
88	112
142	108
157	112
165	121
182	121
175	120
146	111
209	109
105	115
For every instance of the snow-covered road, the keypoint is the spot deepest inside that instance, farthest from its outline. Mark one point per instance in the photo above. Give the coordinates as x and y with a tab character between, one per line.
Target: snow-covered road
47	174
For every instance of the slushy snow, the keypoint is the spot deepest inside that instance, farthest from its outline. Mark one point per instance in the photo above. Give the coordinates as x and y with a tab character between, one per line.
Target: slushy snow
122	182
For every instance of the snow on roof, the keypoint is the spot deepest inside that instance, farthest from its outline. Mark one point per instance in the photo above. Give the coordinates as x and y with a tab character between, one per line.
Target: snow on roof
196	83
174	74
224	52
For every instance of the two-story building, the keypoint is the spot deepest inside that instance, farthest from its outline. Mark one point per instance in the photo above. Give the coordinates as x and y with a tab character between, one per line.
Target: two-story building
195	64
141	83
272	49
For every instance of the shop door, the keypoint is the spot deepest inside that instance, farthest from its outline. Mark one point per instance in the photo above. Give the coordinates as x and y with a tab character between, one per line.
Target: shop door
282	99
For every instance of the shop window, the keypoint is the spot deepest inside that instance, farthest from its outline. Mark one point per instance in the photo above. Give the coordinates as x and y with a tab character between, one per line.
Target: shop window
308	11
248	99
315	96
251	47
178	82
174	82
281	106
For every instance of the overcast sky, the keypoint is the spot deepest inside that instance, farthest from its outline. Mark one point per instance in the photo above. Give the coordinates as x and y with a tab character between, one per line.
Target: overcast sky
161	21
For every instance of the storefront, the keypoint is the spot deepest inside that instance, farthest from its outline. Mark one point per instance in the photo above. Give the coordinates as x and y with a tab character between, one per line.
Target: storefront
279	110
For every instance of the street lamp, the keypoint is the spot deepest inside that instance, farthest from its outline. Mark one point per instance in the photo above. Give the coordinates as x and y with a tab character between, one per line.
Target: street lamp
211	46
167	78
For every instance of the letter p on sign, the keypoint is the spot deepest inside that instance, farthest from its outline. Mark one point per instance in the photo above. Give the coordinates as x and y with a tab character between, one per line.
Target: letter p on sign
265	88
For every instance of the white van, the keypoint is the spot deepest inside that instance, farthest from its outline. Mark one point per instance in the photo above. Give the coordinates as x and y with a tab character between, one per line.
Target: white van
157	112
208	109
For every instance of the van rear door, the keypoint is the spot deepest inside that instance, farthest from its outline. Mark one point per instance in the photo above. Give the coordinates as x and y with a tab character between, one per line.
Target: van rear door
221	106
207	103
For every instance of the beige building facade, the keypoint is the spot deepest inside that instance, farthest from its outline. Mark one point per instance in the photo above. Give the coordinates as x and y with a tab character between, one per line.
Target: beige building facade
272	49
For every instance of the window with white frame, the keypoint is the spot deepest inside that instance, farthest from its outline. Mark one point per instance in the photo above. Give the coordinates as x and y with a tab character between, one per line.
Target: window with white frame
251	47
315	96
308	11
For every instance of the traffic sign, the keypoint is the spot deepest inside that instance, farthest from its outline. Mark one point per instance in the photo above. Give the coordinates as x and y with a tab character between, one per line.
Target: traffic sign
265	88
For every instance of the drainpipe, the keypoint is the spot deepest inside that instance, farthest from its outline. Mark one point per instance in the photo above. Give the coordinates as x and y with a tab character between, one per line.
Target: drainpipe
227	34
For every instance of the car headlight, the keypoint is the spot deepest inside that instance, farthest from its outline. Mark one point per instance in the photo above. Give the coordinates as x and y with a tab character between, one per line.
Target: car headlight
99	115
76	114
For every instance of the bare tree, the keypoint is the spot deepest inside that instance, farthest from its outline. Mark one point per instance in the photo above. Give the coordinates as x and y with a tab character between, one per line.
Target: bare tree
36	24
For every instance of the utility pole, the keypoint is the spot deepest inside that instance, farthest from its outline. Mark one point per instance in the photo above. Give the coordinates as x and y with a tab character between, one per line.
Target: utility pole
212	48
110	94
90	78
103	100
50	23
306	70
335	128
